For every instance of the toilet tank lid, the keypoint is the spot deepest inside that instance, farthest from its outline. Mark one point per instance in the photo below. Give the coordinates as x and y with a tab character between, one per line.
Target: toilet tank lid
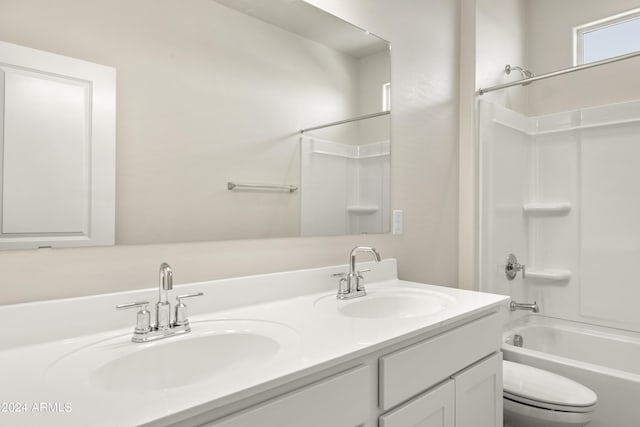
544	386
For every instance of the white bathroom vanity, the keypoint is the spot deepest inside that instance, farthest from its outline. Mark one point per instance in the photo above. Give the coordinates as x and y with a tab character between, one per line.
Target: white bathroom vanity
268	350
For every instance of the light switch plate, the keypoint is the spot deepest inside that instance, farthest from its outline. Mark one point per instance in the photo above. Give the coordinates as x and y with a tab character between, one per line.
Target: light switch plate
397	221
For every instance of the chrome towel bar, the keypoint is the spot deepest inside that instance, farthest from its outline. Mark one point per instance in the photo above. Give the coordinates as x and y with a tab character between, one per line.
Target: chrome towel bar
237	186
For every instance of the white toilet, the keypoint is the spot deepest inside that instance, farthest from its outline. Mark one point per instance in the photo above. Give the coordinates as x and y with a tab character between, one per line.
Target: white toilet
533	397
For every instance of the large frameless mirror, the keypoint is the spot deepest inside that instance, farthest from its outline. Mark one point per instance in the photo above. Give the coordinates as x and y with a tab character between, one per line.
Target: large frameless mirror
233	119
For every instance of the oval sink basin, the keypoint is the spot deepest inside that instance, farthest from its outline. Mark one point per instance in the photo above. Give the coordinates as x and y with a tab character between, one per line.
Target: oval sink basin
211	349
388	303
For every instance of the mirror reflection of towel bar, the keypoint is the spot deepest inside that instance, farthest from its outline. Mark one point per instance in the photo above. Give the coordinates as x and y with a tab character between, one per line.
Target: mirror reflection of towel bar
237	185
353	119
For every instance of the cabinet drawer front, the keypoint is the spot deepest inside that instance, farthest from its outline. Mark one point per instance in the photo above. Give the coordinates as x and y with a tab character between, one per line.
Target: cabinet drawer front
338	401
432	409
409	371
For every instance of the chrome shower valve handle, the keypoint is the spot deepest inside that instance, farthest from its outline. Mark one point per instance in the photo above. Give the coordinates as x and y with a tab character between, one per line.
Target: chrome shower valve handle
513	266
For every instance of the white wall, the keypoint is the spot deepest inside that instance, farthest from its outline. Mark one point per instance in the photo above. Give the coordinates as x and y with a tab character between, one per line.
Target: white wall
373	73
501	39
424	35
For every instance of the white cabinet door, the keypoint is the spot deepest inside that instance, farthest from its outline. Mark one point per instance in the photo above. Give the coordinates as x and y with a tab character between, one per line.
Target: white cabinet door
479	394
434	408
340	401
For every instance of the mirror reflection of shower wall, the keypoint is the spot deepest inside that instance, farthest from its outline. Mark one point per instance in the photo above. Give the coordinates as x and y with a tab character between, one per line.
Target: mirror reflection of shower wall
205	95
345	176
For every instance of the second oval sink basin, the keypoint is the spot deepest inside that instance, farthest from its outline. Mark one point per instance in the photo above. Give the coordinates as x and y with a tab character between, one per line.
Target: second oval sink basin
388	303
212	349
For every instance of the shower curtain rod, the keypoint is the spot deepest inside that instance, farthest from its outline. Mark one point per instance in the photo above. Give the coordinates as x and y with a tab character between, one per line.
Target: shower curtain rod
482	91
353	119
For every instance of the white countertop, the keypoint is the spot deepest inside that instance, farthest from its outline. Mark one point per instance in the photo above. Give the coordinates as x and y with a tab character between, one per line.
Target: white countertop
315	340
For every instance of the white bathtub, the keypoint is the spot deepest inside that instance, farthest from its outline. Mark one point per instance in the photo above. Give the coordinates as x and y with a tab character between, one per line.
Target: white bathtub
604	359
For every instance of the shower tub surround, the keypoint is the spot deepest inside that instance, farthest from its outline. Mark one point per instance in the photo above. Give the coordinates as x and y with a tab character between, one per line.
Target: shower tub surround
561	192
273	349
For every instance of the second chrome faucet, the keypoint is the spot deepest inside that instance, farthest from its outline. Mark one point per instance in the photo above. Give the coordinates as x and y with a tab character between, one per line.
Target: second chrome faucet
352	284
146	331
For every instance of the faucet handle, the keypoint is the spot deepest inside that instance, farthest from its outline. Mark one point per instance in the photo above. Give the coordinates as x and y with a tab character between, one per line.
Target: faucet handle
143	304
143	319
181	309
345	274
342	284
179	298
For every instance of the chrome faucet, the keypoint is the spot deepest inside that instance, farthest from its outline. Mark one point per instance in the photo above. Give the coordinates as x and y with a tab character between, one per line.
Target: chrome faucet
163	328
352	284
513	306
163	306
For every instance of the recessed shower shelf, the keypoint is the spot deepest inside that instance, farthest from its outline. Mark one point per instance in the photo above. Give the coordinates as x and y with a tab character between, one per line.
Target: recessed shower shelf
558	208
550	275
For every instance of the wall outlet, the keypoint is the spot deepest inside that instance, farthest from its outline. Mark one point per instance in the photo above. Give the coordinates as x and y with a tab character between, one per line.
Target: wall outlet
397	221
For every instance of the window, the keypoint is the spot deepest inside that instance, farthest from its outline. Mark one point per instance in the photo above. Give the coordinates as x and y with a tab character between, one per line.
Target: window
607	38
386	97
